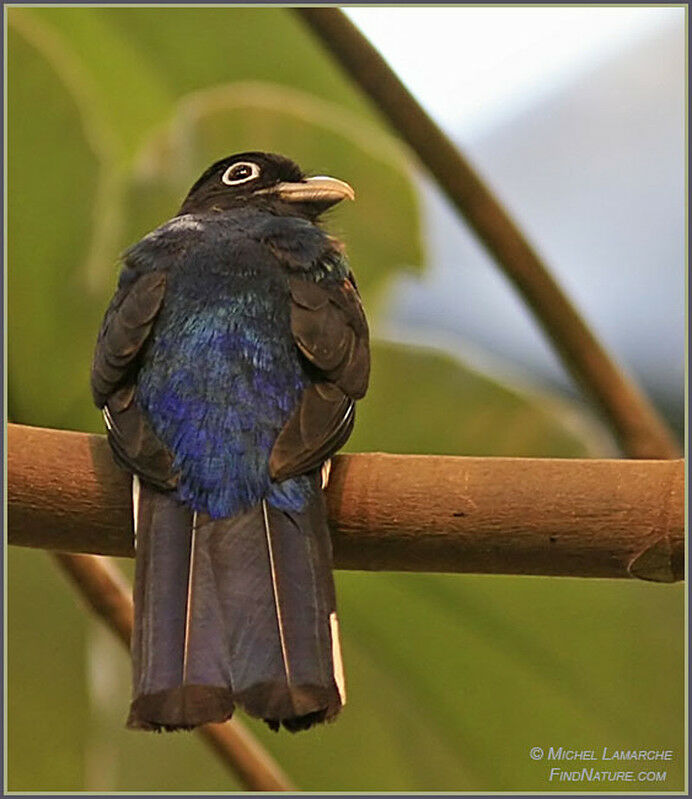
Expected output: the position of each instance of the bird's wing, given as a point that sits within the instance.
(330, 330)
(125, 329)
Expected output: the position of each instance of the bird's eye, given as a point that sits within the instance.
(240, 173)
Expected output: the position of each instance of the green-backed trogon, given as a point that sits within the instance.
(227, 368)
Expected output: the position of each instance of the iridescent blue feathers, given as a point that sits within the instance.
(221, 373)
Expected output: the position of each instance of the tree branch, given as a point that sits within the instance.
(642, 433)
(108, 595)
(559, 517)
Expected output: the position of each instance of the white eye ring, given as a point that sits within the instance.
(229, 181)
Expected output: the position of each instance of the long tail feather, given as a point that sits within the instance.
(277, 593)
(179, 681)
(238, 610)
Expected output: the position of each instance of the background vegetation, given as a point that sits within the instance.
(113, 112)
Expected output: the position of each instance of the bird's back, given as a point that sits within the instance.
(222, 374)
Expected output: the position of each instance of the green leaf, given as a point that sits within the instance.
(47, 695)
(141, 60)
(54, 177)
(423, 401)
(495, 665)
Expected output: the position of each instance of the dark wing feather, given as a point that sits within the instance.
(330, 329)
(125, 329)
(321, 424)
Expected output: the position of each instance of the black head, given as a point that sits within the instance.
(264, 180)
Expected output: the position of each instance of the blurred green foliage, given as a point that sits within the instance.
(113, 112)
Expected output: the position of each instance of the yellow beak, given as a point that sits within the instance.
(318, 189)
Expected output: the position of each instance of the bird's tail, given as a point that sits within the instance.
(233, 611)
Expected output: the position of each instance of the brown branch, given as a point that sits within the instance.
(105, 591)
(561, 517)
(642, 433)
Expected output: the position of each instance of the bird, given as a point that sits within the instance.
(227, 368)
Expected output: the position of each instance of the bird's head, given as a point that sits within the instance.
(264, 180)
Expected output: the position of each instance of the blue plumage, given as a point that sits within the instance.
(221, 374)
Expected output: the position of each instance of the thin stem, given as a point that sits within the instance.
(640, 430)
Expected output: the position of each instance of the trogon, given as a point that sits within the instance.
(227, 369)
